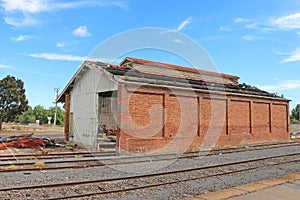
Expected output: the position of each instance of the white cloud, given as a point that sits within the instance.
(60, 44)
(225, 28)
(293, 57)
(251, 37)
(178, 41)
(120, 4)
(284, 85)
(20, 38)
(252, 25)
(289, 22)
(104, 60)
(67, 57)
(5, 67)
(53, 56)
(37, 6)
(183, 24)
(240, 20)
(180, 27)
(25, 6)
(286, 22)
(20, 13)
(81, 31)
(87, 3)
(20, 22)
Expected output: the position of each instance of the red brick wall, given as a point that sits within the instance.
(278, 119)
(172, 118)
(160, 120)
(141, 119)
(239, 117)
(261, 117)
(213, 115)
(146, 112)
(182, 116)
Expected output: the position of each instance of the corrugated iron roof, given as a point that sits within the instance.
(130, 74)
(177, 67)
(139, 77)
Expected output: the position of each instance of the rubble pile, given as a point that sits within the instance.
(25, 141)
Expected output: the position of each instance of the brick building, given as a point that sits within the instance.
(158, 107)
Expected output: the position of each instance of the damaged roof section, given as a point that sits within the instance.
(135, 76)
(138, 71)
(163, 69)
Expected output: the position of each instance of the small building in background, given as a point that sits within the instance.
(146, 106)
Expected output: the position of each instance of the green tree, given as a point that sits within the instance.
(295, 115)
(13, 100)
(27, 117)
(42, 114)
(59, 116)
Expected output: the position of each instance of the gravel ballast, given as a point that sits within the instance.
(172, 191)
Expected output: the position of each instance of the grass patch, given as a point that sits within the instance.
(11, 167)
(39, 164)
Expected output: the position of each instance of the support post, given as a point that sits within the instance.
(67, 117)
(55, 113)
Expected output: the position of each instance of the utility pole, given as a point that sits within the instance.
(298, 107)
(55, 113)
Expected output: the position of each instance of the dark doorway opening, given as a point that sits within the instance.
(107, 120)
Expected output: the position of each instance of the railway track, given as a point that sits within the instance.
(157, 179)
(56, 155)
(17, 157)
(98, 161)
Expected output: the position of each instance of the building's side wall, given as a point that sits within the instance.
(84, 106)
(161, 120)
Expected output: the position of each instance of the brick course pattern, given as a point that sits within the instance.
(156, 119)
(169, 108)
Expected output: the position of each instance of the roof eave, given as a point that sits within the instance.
(82, 69)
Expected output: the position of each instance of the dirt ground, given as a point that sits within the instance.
(10, 128)
(43, 131)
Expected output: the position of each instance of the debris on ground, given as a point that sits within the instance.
(26, 141)
(295, 135)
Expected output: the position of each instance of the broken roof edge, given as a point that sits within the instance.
(226, 93)
(182, 68)
(75, 76)
(105, 69)
(148, 79)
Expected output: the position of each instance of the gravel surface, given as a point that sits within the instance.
(173, 191)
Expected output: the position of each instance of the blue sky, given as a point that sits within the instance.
(43, 42)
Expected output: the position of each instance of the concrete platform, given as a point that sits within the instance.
(286, 187)
(290, 191)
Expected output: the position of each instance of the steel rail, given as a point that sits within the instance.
(151, 174)
(167, 183)
(111, 153)
(93, 152)
(101, 162)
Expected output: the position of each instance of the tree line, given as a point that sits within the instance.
(42, 114)
(14, 105)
